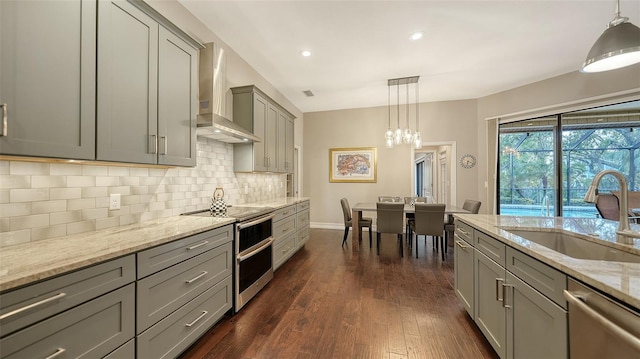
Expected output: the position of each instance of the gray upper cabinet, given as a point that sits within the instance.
(147, 88)
(256, 112)
(47, 78)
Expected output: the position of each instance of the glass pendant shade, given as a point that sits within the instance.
(417, 141)
(389, 142)
(397, 137)
(407, 135)
(618, 46)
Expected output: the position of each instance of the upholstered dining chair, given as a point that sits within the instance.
(390, 220)
(364, 222)
(608, 206)
(429, 221)
(389, 199)
(470, 205)
(409, 216)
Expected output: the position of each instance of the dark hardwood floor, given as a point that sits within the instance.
(326, 302)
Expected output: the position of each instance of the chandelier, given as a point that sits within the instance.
(399, 136)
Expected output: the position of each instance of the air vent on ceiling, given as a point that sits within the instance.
(308, 93)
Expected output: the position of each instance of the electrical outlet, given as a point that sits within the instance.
(270, 188)
(114, 201)
(246, 188)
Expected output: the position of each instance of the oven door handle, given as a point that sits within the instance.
(266, 243)
(610, 326)
(256, 221)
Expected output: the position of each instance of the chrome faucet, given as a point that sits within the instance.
(624, 234)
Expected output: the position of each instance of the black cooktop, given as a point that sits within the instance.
(240, 213)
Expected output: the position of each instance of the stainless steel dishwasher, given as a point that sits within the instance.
(599, 327)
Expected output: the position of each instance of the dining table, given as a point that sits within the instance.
(356, 216)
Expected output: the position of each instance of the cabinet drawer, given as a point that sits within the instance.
(284, 227)
(302, 219)
(166, 255)
(538, 275)
(61, 293)
(166, 291)
(178, 331)
(91, 330)
(284, 212)
(490, 246)
(464, 231)
(302, 237)
(283, 248)
(302, 206)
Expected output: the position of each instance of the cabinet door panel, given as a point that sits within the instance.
(177, 100)
(536, 326)
(288, 147)
(47, 77)
(271, 128)
(464, 273)
(490, 313)
(127, 84)
(260, 108)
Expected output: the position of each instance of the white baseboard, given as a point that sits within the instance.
(340, 226)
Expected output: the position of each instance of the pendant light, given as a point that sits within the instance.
(399, 136)
(618, 46)
(417, 139)
(388, 136)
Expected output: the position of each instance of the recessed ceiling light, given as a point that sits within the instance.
(416, 35)
(306, 53)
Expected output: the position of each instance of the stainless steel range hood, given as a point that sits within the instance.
(212, 79)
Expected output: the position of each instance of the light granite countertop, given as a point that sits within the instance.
(30, 262)
(621, 280)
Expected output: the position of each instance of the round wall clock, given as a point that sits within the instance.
(467, 161)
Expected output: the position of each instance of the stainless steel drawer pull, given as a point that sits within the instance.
(5, 131)
(58, 352)
(32, 305)
(504, 295)
(153, 145)
(203, 243)
(461, 245)
(164, 145)
(462, 231)
(499, 290)
(196, 277)
(189, 325)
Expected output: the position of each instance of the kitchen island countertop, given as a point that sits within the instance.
(26, 263)
(620, 280)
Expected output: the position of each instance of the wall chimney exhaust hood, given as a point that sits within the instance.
(211, 122)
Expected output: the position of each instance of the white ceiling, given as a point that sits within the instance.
(470, 49)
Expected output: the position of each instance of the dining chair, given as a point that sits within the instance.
(429, 221)
(364, 222)
(470, 205)
(390, 220)
(389, 199)
(410, 216)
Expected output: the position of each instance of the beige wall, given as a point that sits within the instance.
(441, 122)
(568, 92)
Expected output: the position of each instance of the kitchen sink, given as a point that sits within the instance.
(574, 246)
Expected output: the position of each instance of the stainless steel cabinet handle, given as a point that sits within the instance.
(462, 231)
(461, 245)
(5, 131)
(504, 295)
(608, 325)
(58, 352)
(153, 145)
(164, 145)
(196, 277)
(32, 305)
(499, 292)
(203, 243)
(189, 325)
(267, 243)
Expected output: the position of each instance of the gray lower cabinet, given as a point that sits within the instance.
(90, 330)
(290, 231)
(515, 300)
(48, 78)
(147, 99)
(185, 287)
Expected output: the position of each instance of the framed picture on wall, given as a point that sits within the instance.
(353, 165)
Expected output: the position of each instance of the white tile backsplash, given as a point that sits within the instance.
(47, 200)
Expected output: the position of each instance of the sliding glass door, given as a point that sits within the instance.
(541, 158)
